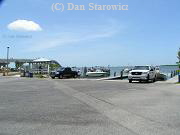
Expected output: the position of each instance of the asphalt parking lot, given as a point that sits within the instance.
(88, 107)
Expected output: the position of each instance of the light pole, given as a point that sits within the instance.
(7, 58)
(179, 65)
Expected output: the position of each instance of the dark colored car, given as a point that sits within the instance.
(64, 72)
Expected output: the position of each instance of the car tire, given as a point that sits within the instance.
(60, 76)
(130, 81)
(75, 76)
(53, 77)
(147, 79)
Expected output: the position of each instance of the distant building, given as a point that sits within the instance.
(33, 63)
(3, 63)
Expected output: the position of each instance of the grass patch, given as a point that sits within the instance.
(177, 83)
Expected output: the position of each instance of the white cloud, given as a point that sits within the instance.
(24, 25)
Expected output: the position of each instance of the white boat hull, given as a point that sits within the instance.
(96, 74)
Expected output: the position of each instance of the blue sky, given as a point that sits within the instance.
(148, 33)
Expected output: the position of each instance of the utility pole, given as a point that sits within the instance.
(7, 59)
(179, 57)
(179, 65)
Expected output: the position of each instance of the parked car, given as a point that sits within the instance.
(64, 72)
(142, 73)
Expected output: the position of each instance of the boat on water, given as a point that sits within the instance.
(160, 76)
(126, 70)
(98, 72)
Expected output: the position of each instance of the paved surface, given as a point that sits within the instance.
(173, 80)
(88, 107)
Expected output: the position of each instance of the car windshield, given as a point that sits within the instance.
(60, 69)
(141, 68)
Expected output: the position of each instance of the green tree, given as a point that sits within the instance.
(54, 66)
(18, 64)
(178, 56)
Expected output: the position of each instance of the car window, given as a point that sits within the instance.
(152, 69)
(141, 68)
(67, 69)
(60, 69)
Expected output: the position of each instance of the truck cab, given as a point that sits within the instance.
(64, 72)
(142, 73)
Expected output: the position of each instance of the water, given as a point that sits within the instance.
(163, 69)
(118, 70)
(167, 70)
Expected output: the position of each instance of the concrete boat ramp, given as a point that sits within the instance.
(115, 78)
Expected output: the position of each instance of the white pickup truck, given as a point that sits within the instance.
(142, 73)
